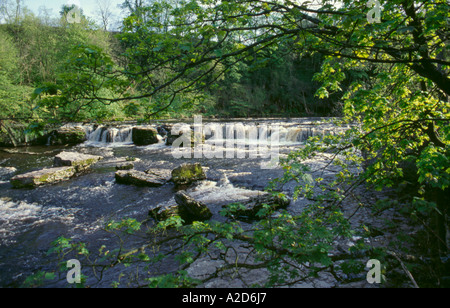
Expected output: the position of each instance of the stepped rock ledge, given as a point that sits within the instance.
(65, 166)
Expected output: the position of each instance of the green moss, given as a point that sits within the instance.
(42, 177)
(188, 173)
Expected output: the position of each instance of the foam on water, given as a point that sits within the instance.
(218, 193)
(19, 217)
(103, 136)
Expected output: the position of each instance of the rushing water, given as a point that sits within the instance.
(30, 219)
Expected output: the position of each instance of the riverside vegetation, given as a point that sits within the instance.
(171, 59)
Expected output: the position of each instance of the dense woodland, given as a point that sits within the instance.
(37, 52)
(257, 58)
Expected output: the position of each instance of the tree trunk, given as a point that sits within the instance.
(10, 134)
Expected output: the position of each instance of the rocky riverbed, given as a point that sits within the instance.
(79, 206)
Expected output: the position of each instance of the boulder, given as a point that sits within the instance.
(144, 136)
(42, 177)
(77, 160)
(187, 208)
(248, 210)
(187, 174)
(192, 209)
(66, 165)
(138, 178)
(170, 136)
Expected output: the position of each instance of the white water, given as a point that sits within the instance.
(249, 133)
(109, 136)
(20, 216)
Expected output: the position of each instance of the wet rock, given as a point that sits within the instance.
(65, 166)
(77, 160)
(164, 174)
(171, 136)
(163, 130)
(193, 209)
(125, 166)
(144, 136)
(187, 208)
(187, 174)
(248, 210)
(138, 178)
(42, 177)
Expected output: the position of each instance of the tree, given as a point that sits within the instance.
(134, 7)
(214, 34)
(14, 103)
(33, 53)
(11, 10)
(71, 14)
(104, 10)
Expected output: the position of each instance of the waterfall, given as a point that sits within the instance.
(261, 133)
(109, 136)
(229, 133)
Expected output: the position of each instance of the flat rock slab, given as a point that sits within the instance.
(164, 174)
(77, 160)
(43, 177)
(138, 178)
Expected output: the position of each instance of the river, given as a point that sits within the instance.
(30, 219)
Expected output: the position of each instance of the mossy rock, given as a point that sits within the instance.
(43, 177)
(144, 136)
(164, 213)
(187, 174)
(79, 161)
(192, 210)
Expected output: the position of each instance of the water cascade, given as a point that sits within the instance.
(103, 135)
(289, 133)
